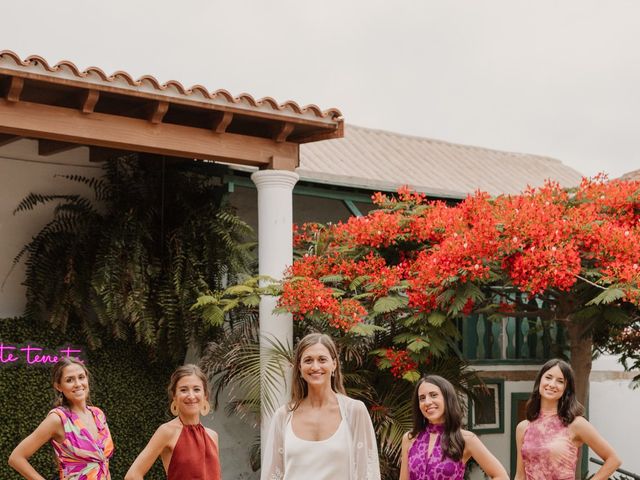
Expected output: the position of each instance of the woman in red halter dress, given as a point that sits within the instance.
(188, 450)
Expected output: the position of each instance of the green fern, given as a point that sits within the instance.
(132, 260)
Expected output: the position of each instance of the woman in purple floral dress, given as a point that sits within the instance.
(437, 448)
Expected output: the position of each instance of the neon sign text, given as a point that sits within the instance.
(29, 354)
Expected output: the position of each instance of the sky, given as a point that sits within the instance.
(558, 78)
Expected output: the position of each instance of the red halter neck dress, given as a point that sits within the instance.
(195, 456)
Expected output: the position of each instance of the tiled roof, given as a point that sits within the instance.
(634, 175)
(34, 66)
(379, 160)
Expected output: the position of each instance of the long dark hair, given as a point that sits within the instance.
(299, 389)
(56, 377)
(568, 406)
(451, 442)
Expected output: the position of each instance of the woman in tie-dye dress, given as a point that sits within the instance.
(77, 431)
(437, 448)
(549, 439)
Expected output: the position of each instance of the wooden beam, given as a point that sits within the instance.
(317, 136)
(283, 132)
(158, 111)
(15, 89)
(89, 100)
(7, 139)
(52, 147)
(222, 121)
(131, 134)
(283, 163)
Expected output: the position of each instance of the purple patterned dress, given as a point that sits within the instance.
(423, 466)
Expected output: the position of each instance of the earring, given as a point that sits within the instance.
(333, 374)
(205, 409)
(174, 409)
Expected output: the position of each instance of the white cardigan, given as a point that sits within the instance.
(363, 451)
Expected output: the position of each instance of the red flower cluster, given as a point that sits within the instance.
(401, 362)
(306, 296)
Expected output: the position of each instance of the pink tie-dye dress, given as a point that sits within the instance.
(548, 452)
(81, 456)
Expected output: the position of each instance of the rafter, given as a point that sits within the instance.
(131, 134)
(283, 132)
(15, 89)
(89, 100)
(222, 121)
(51, 147)
(158, 111)
(7, 139)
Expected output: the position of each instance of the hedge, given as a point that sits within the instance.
(130, 390)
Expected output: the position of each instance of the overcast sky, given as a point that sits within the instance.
(555, 78)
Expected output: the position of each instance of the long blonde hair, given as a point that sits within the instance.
(299, 389)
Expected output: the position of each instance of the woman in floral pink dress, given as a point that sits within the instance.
(77, 431)
(549, 440)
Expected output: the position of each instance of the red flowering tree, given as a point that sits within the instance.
(394, 285)
(412, 267)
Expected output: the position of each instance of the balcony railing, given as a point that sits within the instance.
(518, 340)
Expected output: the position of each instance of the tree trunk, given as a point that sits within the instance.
(581, 344)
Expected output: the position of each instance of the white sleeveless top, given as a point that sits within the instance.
(317, 460)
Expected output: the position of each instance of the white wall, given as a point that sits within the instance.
(23, 171)
(500, 443)
(614, 409)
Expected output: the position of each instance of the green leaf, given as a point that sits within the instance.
(213, 315)
(251, 301)
(332, 278)
(608, 296)
(356, 282)
(384, 363)
(365, 329)
(412, 376)
(437, 319)
(363, 295)
(586, 313)
(418, 344)
(205, 300)
(229, 304)
(238, 290)
(389, 304)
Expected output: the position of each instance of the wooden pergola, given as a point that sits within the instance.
(64, 108)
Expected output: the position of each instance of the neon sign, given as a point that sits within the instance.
(29, 354)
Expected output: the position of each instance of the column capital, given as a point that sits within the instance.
(275, 178)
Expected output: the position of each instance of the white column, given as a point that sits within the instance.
(275, 254)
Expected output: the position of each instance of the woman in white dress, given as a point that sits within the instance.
(321, 434)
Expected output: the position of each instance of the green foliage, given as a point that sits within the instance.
(134, 259)
(131, 392)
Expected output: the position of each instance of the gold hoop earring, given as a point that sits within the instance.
(174, 409)
(205, 408)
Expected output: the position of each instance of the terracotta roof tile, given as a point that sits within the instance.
(37, 65)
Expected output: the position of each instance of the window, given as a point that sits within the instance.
(486, 407)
